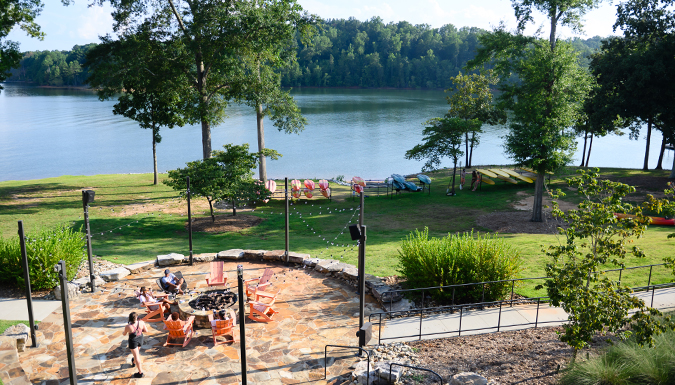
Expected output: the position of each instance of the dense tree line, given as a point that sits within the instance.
(53, 68)
(345, 53)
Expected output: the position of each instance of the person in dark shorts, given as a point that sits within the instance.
(474, 178)
(135, 330)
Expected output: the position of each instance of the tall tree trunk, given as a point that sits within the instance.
(234, 208)
(538, 197)
(590, 147)
(454, 169)
(262, 167)
(154, 154)
(466, 149)
(583, 153)
(672, 170)
(659, 164)
(554, 24)
(645, 166)
(473, 139)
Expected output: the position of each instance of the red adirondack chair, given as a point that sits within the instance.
(179, 329)
(217, 277)
(261, 283)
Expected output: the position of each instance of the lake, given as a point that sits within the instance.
(52, 132)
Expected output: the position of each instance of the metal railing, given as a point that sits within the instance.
(440, 379)
(391, 294)
(462, 308)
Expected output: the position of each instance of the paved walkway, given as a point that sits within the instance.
(17, 310)
(313, 311)
(486, 321)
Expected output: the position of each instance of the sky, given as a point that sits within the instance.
(79, 24)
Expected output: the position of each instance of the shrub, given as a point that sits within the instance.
(458, 259)
(44, 251)
(627, 363)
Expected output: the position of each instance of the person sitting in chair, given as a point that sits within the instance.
(173, 283)
(146, 296)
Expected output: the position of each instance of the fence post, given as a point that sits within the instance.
(26, 278)
(499, 319)
(536, 320)
(649, 281)
(459, 334)
(513, 283)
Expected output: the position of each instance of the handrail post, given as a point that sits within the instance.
(420, 336)
(513, 284)
(620, 271)
(499, 319)
(459, 332)
(649, 281)
(536, 320)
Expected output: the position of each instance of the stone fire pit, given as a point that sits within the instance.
(200, 305)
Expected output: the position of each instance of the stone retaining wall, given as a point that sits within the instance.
(340, 270)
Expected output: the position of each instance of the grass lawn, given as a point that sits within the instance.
(132, 220)
(4, 324)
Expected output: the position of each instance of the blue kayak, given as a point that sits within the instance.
(424, 179)
(412, 186)
(398, 185)
(398, 178)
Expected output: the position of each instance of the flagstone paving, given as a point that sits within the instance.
(314, 311)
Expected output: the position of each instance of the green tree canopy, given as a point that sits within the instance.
(147, 87)
(206, 40)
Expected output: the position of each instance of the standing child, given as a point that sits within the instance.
(479, 176)
(474, 177)
(135, 330)
(462, 178)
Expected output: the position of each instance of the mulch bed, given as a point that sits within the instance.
(224, 223)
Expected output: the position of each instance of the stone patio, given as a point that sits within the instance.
(314, 310)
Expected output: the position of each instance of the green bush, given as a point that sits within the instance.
(44, 251)
(457, 259)
(627, 363)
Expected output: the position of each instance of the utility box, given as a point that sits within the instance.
(365, 334)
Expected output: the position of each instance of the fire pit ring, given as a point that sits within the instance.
(200, 305)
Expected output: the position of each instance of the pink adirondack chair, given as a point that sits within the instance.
(255, 284)
(217, 277)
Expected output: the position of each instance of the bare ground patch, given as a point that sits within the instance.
(225, 223)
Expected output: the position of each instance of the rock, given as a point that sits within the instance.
(275, 255)
(20, 333)
(330, 266)
(383, 368)
(73, 291)
(360, 374)
(12, 372)
(350, 273)
(204, 257)
(84, 281)
(170, 259)
(253, 254)
(400, 306)
(115, 274)
(385, 294)
(232, 254)
(372, 280)
(137, 267)
(468, 378)
(297, 257)
(311, 262)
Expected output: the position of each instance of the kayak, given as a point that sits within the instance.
(398, 185)
(398, 178)
(412, 186)
(424, 179)
(652, 220)
(487, 173)
(516, 175)
(487, 180)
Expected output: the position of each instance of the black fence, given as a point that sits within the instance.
(423, 312)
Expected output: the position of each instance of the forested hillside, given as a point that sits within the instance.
(345, 53)
(53, 68)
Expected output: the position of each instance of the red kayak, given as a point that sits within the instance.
(653, 220)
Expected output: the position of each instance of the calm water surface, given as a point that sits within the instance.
(53, 132)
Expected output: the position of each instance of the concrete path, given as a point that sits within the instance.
(492, 319)
(17, 309)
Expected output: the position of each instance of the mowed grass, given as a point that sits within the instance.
(133, 220)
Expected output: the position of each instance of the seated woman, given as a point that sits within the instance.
(147, 297)
(222, 316)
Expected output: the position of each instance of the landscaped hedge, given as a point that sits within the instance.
(457, 259)
(627, 363)
(44, 251)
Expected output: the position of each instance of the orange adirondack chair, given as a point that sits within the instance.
(217, 277)
(261, 309)
(151, 315)
(262, 283)
(223, 328)
(179, 329)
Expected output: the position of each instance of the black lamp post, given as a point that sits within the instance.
(63, 281)
(189, 220)
(360, 235)
(242, 330)
(87, 198)
(26, 278)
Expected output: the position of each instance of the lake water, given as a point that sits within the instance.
(53, 132)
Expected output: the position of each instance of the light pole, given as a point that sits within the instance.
(242, 330)
(26, 278)
(63, 281)
(87, 198)
(189, 220)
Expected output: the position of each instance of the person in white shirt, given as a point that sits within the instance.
(146, 296)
